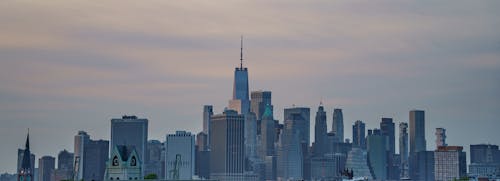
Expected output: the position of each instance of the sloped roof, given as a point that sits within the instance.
(125, 151)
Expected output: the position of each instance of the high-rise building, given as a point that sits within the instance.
(417, 131)
(259, 101)
(64, 166)
(323, 168)
(227, 149)
(46, 166)
(25, 163)
(154, 164)
(424, 166)
(387, 128)
(179, 156)
(240, 101)
(124, 164)
(90, 157)
(338, 124)
(299, 117)
(202, 156)
(484, 161)
(449, 163)
(208, 112)
(403, 149)
(250, 139)
(320, 133)
(131, 131)
(290, 152)
(377, 154)
(358, 135)
(440, 137)
(268, 133)
(417, 137)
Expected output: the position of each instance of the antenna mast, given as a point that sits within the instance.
(241, 53)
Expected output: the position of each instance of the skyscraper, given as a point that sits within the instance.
(202, 160)
(207, 113)
(290, 154)
(320, 133)
(300, 118)
(46, 166)
(90, 157)
(131, 131)
(484, 161)
(338, 124)
(449, 163)
(377, 154)
(417, 131)
(259, 101)
(268, 133)
(26, 169)
(240, 101)
(403, 149)
(387, 128)
(440, 137)
(417, 141)
(64, 166)
(358, 135)
(179, 156)
(227, 145)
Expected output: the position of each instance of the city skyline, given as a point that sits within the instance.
(56, 85)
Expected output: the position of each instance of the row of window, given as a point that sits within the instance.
(118, 178)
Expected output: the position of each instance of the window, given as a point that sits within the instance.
(115, 161)
(117, 178)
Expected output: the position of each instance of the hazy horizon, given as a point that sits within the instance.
(73, 65)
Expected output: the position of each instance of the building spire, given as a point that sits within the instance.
(241, 52)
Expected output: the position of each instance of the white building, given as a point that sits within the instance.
(179, 155)
(124, 164)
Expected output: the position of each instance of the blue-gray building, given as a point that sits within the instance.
(358, 135)
(320, 133)
(338, 124)
(377, 154)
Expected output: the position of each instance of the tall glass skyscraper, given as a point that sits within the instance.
(179, 156)
(320, 137)
(358, 135)
(240, 101)
(338, 124)
(259, 101)
(417, 131)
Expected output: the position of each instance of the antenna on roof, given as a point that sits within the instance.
(241, 52)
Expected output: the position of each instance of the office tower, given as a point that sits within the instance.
(64, 166)
(227, 145)
(299, 117)
(154, 164)
(301, 121)
(250, 138)
(290, 153)
(180, 152)
(417, 131)
(208, 112)
(90, 157)
(131, 131)
(357, 162)
(65, 160)
(46, 166)
(268, 133)
(417, 137)
(320, 133)
(424, 166)
(259, 101)
(358, 135)
(271, 164)
(403, 149)
(388, 129)
(484, 161)
(450, 163)
(440, 137)
(377, 154)
(240, 101)
(338, 124)
(124, 164)
(25, 163)
(202, 156)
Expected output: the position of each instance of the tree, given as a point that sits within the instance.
(151, 176)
